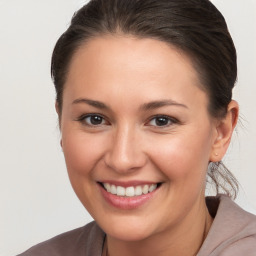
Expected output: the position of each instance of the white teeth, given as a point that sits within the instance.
(107, 186)
(138, 191)
(129, 191)
(145, 189)
(120, 191)
(113, 189)
(152, 187)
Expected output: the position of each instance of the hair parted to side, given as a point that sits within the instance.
(195, 27)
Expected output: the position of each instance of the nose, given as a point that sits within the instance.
(125, 154)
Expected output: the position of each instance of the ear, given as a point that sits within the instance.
(57, 108)
(223, 132)
(59, 115)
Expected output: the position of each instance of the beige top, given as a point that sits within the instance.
(233, 233)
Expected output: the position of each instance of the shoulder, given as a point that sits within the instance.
(87, 240)
(233, 231)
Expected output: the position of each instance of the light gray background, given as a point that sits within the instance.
(36, 199)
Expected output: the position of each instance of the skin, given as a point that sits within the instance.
(128, 145)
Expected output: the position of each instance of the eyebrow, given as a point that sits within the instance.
(145, 107)
(93, 103)
(161, 103)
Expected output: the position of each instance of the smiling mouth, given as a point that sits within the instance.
(131, 191)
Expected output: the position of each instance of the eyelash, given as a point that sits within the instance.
(83, 118)
(170, 120)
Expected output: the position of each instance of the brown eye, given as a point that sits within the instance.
(94, 120)
(161, 121)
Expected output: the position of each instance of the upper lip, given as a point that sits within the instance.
(131, 183)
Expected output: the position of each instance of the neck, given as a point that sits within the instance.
(183, 239)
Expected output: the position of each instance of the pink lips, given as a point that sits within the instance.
(126, 203)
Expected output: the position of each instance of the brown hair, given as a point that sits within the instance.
(195, 27)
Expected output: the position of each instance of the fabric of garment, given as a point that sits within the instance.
(233, 233)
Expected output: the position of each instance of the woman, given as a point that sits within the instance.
(144, 98)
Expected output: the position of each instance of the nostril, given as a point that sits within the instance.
(125, 163)
(124, 153)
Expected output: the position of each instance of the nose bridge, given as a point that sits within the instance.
(125, 153)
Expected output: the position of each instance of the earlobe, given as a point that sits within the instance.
(224, 131)
(58, 112)
(57, 107)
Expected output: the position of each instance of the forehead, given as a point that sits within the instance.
(127, 52)
(119, 65)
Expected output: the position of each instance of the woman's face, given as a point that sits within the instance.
(135, 120)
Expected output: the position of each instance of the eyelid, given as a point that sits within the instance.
(171, 119)
(82, 118)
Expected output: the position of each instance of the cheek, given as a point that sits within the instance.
(81, 151)
(82, 154)
(78, 157)
(184, 159)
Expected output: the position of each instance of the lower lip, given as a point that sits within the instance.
(126, 203)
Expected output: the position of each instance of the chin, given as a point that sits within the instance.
(128, 230)
(129, 235)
